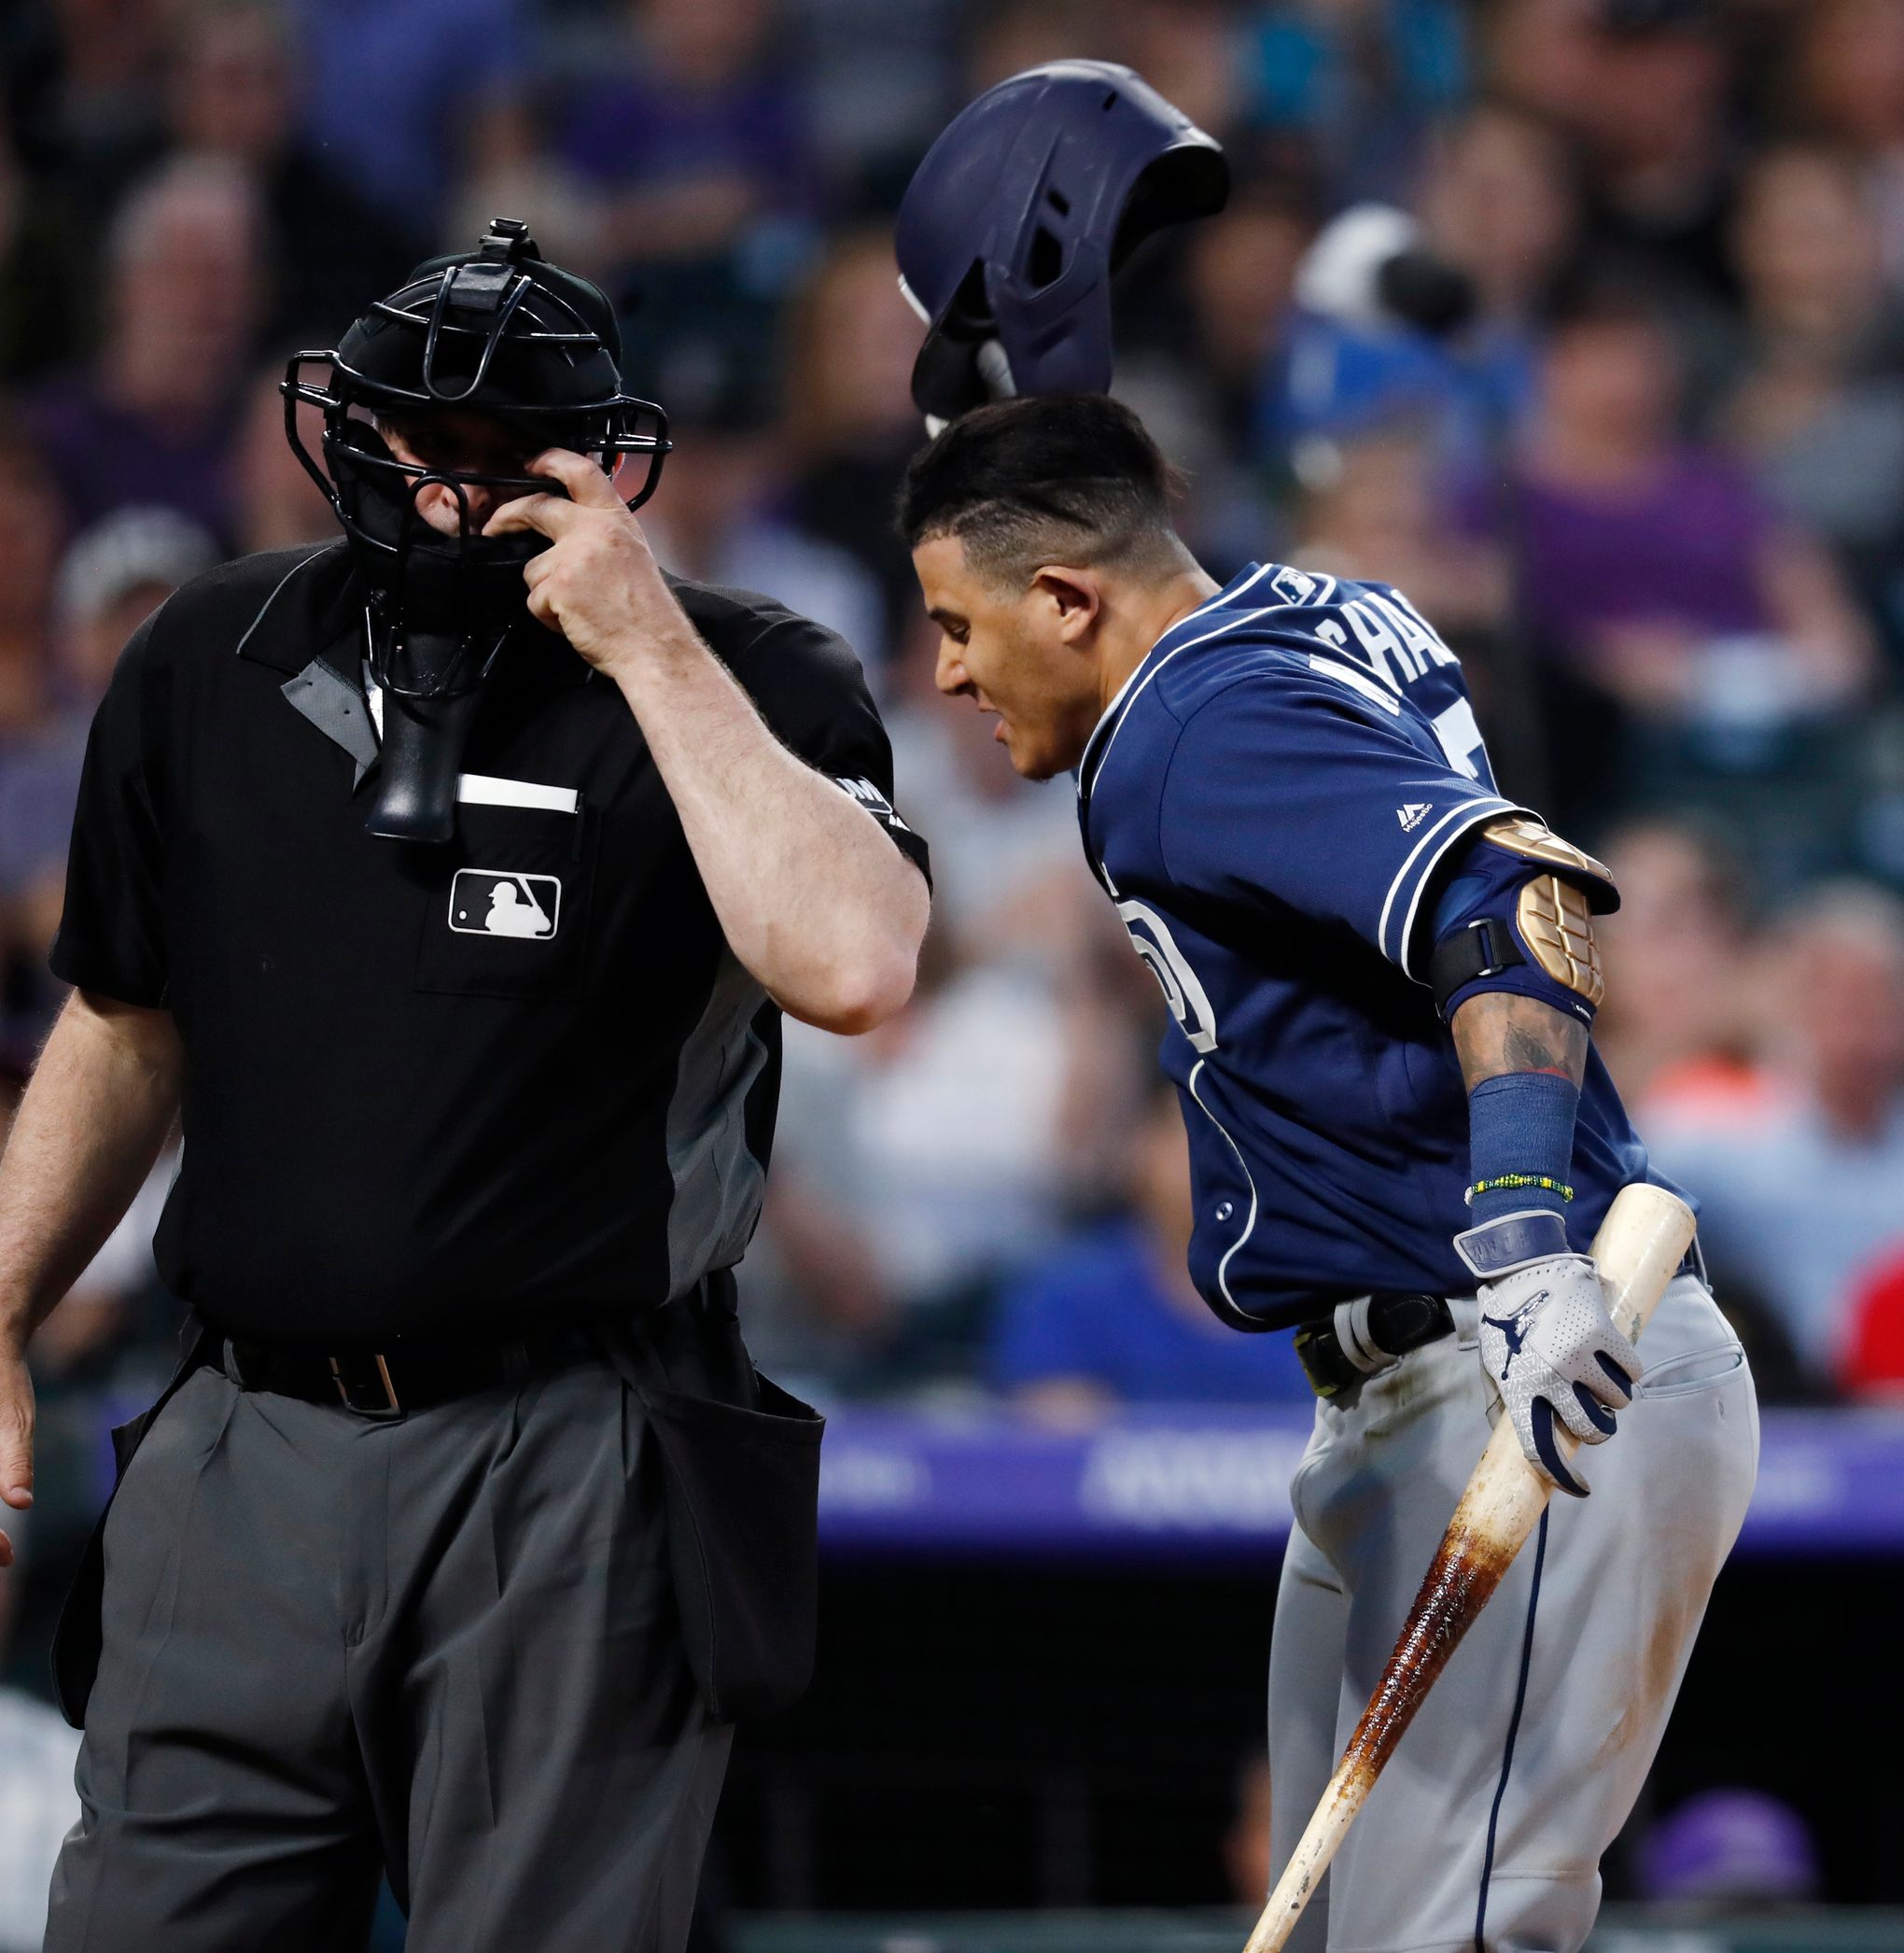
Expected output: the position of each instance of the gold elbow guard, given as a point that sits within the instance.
(1522, 834)
(1557, 925)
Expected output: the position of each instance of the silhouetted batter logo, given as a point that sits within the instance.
(493, 902)
(1514, 1328)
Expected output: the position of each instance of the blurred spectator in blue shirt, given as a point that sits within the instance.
(1499, 200)
(1111, 1317)
(152, 419)
(1360, 79)
(400, 96)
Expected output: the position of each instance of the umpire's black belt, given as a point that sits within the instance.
(388, 1383)
(1361, 1337)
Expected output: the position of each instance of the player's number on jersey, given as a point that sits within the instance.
(1151, 938)
(1461, 737)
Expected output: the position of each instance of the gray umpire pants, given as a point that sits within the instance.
(1485, 1833)
(446, 1645)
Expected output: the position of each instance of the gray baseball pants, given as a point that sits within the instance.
(445, 1644)
(1486, 1831)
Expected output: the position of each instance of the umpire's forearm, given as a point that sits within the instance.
(102, 1100)
(812, 896)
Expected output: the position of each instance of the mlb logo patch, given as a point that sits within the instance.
(498, 902)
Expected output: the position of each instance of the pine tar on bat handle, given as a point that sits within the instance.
(1640, 1244)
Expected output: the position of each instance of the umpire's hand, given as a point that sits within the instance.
(598, 582)
(16, 1440)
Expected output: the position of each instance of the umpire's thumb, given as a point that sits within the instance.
(16, 1443)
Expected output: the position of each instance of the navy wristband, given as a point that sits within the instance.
(1520, 1127)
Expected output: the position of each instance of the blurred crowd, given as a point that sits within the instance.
(1654, 493)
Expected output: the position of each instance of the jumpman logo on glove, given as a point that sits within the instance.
(1513, 1327)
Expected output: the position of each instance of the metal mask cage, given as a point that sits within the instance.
(353, 448)
(390, 652)
(624, 427)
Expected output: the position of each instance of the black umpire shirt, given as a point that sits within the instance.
(432, 1087)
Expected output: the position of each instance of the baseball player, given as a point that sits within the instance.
(1382, 978)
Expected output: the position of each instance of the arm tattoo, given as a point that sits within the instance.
(1497, 1033)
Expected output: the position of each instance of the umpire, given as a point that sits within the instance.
(450, 879)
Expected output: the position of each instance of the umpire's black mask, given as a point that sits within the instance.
(531, 349)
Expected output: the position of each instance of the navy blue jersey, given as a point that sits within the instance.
(1268, 801)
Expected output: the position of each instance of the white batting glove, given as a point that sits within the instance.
(1547, 1344)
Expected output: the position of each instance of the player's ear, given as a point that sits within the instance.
(1073, 597)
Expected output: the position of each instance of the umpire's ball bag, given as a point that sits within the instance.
(741, 1464)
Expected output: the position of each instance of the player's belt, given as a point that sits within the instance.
(1361, 1337)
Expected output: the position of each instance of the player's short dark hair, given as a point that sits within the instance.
(1063, 478)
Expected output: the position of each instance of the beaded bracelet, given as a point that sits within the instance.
(1503, 1182)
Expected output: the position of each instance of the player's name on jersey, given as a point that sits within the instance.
(1394, 643)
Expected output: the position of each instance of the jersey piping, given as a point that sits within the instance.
(1442, 837)
(1240, 1317)
(1133, 687)
(1127, 690)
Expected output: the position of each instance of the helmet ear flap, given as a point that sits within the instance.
(946, 370)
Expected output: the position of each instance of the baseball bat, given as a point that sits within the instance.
(1642, 1241)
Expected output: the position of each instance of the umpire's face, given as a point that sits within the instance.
(1026, 655)
(455, 440)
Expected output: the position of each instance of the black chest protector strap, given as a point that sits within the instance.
(1484, 948)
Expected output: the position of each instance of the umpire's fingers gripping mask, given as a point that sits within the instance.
(1023, 210)
(495, 332)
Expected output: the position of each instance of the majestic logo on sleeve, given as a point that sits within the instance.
(497, 902)
(1411, 815)
(1189, 1002)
